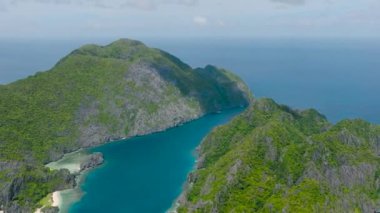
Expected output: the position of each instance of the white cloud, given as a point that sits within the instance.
(221, 23)
(200, 20)
(140, 4)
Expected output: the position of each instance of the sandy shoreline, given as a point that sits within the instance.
(70, 161)
(55, 201)
(56, 198)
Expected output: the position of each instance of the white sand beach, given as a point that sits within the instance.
(71, 161)
(57, 199)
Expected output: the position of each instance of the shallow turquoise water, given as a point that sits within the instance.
(146, 174)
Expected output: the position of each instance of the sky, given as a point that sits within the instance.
(189, 18)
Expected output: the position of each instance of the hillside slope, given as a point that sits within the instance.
(275, 159)
(94, 95)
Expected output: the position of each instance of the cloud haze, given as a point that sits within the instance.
(200, 20)
(140, 4)
(292, 2)
(188, 18)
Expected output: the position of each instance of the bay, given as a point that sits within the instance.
(146, 173)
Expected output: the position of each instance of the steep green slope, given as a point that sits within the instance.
(275, 159)
(94, 95)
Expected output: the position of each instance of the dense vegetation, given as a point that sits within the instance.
(93, 95)
(275, 159)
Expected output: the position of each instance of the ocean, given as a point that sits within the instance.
(340, 78)
(337, 77)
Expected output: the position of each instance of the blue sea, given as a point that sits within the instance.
(340, 78)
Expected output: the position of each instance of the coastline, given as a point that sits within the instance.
(187, 184)
(73, 160)
(78, 163)
(70, 161)
(198, 161)
(51, 200)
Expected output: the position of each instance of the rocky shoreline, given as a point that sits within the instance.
(336, 171)
(91, 161)
(84, 164)
(181, 199)
(95, 159)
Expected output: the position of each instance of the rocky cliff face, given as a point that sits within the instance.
(24, 186)
(275, 159)
(98, 94)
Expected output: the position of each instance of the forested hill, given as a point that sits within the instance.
(272, 158)
(94, 95)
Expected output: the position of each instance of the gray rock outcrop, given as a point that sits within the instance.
(93, 161)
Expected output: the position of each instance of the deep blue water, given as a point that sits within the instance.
(146, 174)
(340, 78)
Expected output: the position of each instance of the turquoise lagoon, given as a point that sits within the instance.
(146, 173)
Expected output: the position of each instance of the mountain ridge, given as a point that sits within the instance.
(94, 95)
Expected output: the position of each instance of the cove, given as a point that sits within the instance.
(146, 173)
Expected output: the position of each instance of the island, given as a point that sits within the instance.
(272, 158)
(94, 95)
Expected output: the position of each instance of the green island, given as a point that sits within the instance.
(272, 158)
(94, 95)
